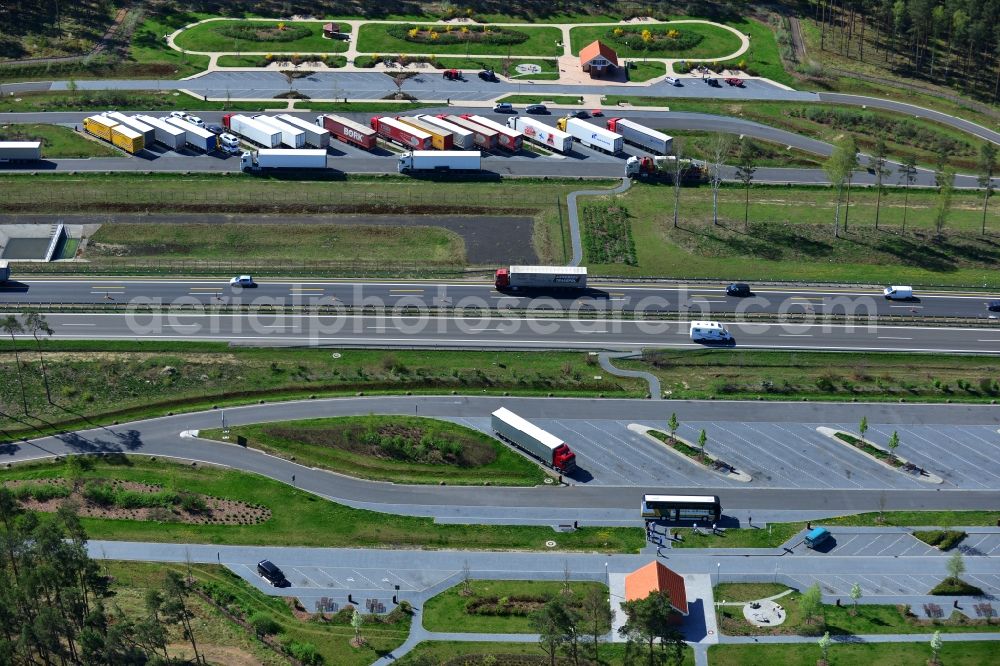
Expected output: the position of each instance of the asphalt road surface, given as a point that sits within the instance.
(501, 331)
(603, 295)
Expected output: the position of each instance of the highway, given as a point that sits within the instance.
(499, 331)
(607, 295)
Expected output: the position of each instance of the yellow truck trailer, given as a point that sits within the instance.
(441, 139)
(128, 139)
(99, 126)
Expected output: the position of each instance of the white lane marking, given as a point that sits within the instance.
(795, 335)
(891, 337)
(78, 324)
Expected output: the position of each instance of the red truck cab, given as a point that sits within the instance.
(502, 279)
(563, 459)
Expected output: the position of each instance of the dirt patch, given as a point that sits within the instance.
(130, 500)
(215, 654)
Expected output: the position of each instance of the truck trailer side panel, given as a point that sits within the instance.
(99, 126)
(293, 137)
(591, 135)
(452, 160)
(127, 139)
(460, 137)
(642, 136)
(148, 134)
(440, 139)
(483, 137)
(20, 151)
(403, 134)
(165, 133)
(530, 438)
(542, 134)
(252, 130)
(348, 131)
(289, 158)
(315, 135)
(197, 137)
(506, 138)
(542, 277)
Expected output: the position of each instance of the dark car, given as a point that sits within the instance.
(713, 82)
(578, 114)
(488, 75)
(537, 109)
(738, 289)
(271, 573)
(215, 129)
(993, 306)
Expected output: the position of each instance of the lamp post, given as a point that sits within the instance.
(718, 573)
(607, 577)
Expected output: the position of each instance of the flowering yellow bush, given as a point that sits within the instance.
(281, 26)
(269, 56)
(673, 34)
(647, 36)
(447, 28)
(464, 30)
(413, 33)
(618, 32)
(434, 34)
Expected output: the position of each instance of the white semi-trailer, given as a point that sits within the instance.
(252, 130)
(591, 135)
(542, 134)
(531, 439)
(291, 136)
(170, 136)
(283, 158)
(541, 277)
(199, 137)
(440, 160)
(461, 137)
(20, 151)
(4, 270)
(642, 136)
(315, 135)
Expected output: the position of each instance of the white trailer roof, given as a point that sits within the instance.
(564, 270)
(125, 130)
(278, 124)
(420, 124)
(528, 428)
(493, 125)
(648, 131)
(303, 125)
(283, 152)
(159, 123)
(20, 144)
(679, 498)
(132, 122)
(445, 124)
(445, 153)
(190, 127)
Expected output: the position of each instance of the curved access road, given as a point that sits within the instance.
(544, 504)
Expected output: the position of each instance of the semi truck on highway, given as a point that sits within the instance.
(531, 439)
(542, 134)
(540, 277)
(507, 138)
(460, 137)
(252, 130)
(20, 151)
(283, 158)
(348, 131)
(315, 136)
(591, 135)
(440, 160)
(170, 136)
(292, 137)
(196, 137)
(440, 139)
(401, 133)
(639, 135)
(484, 137)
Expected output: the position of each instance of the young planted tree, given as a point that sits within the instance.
(811, 605)
(881, 169)
(175, 608)
(850, 157)
(955, 566)
(36, 323)
(357, 621)
(702, 440)
(893, 443)
(908, 169)
(863, 426)
(746, 166)
(824, 646)
(987, 165)
(678, 175)
(719, 150)
(596, 616)
(855, 595)
(12, 327)
(946, 187)
(936, 645)
(673, 424)
(836, 167)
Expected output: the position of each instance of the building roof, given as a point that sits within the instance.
(655, 577)
(596, 48)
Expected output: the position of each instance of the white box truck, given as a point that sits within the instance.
(440, 160)
(252, 130)
(293, 137)
(199, 137)
(642, 136)
(315, 136)
(170, 136)
(20, 151)
(461, 138)
(147, 132)
(541, 277)
(591, 135)
(542, 134)
(283, 158)
(531, 439)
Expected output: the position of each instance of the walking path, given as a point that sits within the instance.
(605, 358)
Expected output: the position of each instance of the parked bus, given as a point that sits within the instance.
(695, 508)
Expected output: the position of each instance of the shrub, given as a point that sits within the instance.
(655, 39)
(262, 32)
(304, 652)
(98, 493)
(437, 34)
(264, 624)
(943, 539)
(193, 503)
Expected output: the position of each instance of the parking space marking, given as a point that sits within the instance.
(808, 461)
(842, 546)
(757, 461)
(405, 585)
(891, 544)
(312, 583)
(333, 582)
(373, 583)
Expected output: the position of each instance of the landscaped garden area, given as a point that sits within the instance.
(660, 40)
(234, 36)
(452, 39)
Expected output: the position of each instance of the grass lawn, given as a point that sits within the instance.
(278, 242)
(779, 375)
(210, 37)
(122, 100)
(763, 57)
(57, 141)
(448, 611)
(791, 237)
(840, 620)
(539, 99)
(303, 519)
(375, 38)
(715, 42)
(963, 653)
(262, 61)
(644, 71)
(103, 381)
(340, 445)
(149, 46)
(223, 641)
(698, 145)
(458, 653)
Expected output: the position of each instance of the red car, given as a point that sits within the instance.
(733, 81)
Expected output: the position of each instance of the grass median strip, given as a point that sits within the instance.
(960, 653)
(399, 449)
(301, 518)
(460, 653)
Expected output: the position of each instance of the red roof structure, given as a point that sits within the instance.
(597, 57)
(655, 577)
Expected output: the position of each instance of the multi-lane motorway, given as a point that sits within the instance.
(692, 299)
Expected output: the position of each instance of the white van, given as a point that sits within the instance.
(895, 293)
(709, 331)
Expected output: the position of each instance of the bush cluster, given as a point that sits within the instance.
(654, 39)
(943, 539)
(440, 34)
(108, 495)
(261, 32)
(40, 492)
(901, 130)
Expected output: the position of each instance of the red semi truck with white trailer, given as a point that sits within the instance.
(484, 137)
(401, 133)
(642, 136)
(531, 439)
(541, 277)
(348, 131)
(507, 138)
